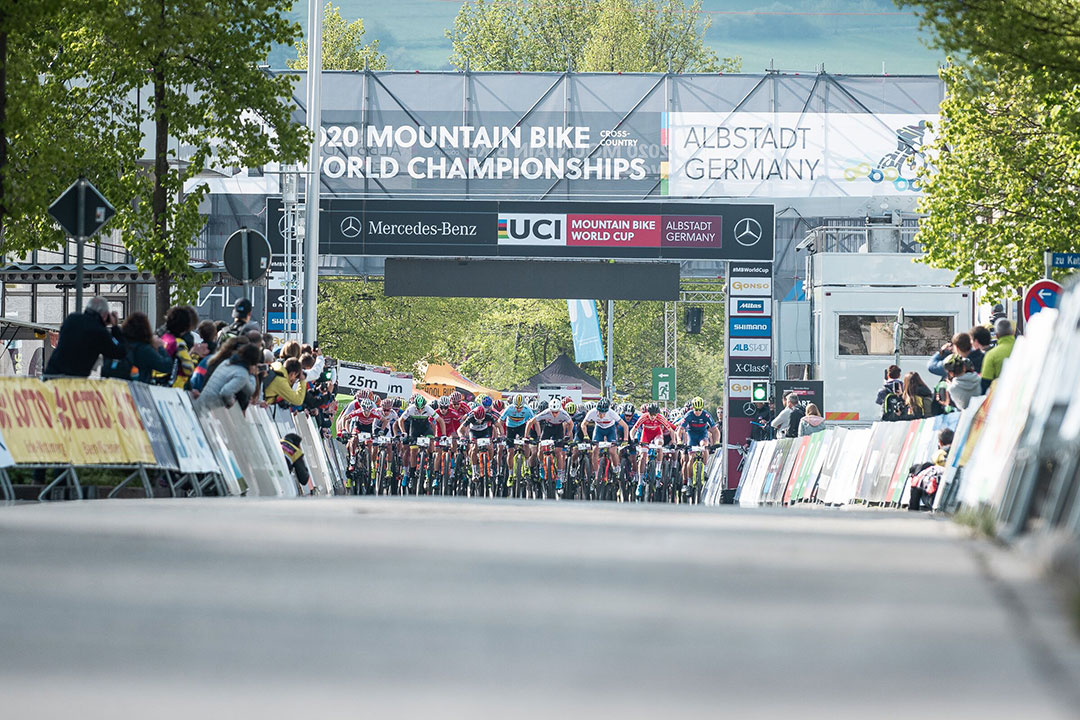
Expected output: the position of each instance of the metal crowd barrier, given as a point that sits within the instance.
(66, 425)
(1015, 452)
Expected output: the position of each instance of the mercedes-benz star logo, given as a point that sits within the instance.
(747, 232)
(350, 227)
(749, 409)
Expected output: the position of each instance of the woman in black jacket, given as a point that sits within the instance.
(145, 352)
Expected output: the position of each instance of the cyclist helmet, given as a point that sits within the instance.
(456, 397)
(498, 406)
(570, 408)
(603, 406)
(387, 404)
(367, 405)
(519, 401)
(419, 401)
(628, 408)
(698, 403)
(479, 412)
(444, 401)
(542, 406)
(483, 400)
(652, 409)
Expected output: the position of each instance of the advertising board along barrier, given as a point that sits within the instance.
(840, 466)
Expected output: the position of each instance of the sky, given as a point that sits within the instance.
(847, 36)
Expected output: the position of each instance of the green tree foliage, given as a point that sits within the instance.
(1004, 183)
(1003, 186)
(59, 117)
(502, 343)
(587, 35)
(343, 46)
(90, 78)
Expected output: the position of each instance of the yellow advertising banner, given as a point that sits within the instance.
(71, 420)
(28, 422)
(133, 435)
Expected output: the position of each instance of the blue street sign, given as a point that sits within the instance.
(1065, 260)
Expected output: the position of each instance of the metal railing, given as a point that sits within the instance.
(840, 238)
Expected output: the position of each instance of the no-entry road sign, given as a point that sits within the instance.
(1043, 294)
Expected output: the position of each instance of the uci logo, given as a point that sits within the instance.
(522, 229)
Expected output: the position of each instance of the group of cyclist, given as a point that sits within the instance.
(559, 420)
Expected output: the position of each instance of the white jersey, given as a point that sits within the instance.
(602, 420)
(552, 418)
(413, 414)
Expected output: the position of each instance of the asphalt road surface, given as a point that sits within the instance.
(360, 608)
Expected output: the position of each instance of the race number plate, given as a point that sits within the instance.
(363, 437)
(382, 440)
(519, 441)
(547, 443)
(603, 445)
(423, 441)
(483, 442)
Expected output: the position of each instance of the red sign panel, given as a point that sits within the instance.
(613, 231)
(1043, 294)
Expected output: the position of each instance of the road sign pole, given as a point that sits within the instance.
(246, 263)
(80, 239)
(314, 175)
(1048, 260)
(610, 346)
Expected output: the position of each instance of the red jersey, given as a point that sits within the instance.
(451, 417)
(360, 421)
(652, 427)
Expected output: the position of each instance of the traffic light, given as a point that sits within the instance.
(759, 391)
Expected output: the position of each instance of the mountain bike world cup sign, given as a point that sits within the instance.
(381, 380)
(744, 154)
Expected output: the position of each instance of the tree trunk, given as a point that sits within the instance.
(160, 200)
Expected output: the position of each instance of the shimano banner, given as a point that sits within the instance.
(585, 328)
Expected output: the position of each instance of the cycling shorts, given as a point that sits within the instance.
(483, 433)
(608, 434)
(696, 439)
(647, 436)
(420, 428)
(512, 433)
(551, 432)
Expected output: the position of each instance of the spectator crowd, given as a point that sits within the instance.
(220, 364)
(965, 368)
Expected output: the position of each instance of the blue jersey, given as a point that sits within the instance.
(697, 426)
(629, 424)
(513, 417)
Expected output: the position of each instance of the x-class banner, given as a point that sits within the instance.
(712, 231)
(790, 154)
(749, 367)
